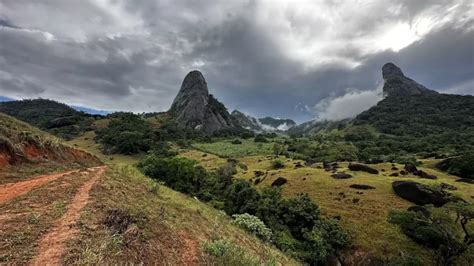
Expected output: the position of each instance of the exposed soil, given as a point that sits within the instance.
(190, 253)
(51, 246)
(13, 190)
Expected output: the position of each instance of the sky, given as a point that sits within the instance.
(299, 59)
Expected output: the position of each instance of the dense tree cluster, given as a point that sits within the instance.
(126, 133)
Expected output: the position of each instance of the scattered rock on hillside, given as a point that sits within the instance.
(361, 186)
(424, 174)
(410, 168)
(279, 182)
(259, 173)
(298, 165)
(394, 174)
(362, 167)
(420, 194)
(341, 176)
(394, 168)
(466, 180)
(447, 186)
(403, 172)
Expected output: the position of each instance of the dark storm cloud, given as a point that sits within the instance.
(296, 60)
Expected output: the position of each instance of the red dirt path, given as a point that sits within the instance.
(13, 190)
(51, 246)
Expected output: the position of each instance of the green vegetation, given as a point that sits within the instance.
(427, 123)
(254, 225)
(462, 166)
(278, 164)
(296, 222)
(56, 118)
(126, 133)
(446, 230)
(226, 253)
(225, 148)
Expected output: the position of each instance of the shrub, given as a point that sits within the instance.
(236, 141)
(254, 225)
(178, 173)
(260, 138)
(278, 164)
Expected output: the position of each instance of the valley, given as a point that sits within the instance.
(198, 185)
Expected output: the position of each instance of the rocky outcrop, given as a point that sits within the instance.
(397, 84)
(421, 194)
(279, 182)
(363, 168)
(195, 108)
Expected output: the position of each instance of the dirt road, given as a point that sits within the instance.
(13, 190)
(51, 246)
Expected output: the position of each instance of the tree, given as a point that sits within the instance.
(445, 229)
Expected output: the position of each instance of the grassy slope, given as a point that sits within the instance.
(171, 226)
(19, 135)
(366, 219)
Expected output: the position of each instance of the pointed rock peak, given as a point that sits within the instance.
(194, 80)
(391, 70)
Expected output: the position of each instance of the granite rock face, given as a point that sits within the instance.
(195, 108)
(398, 85)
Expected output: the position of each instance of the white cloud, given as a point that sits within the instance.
(348, 105)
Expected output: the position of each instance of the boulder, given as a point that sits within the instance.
(466, 180)
(298, 165)
(341, 176)
(447, 186)
(420, 194)
(424, 174)
(410, 168)
(361, 186)
(259, 173)
(279, 182)
(362, 167)
(394, 174)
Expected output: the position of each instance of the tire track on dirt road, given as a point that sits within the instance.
(51, 246)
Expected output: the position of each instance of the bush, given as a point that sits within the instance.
(254, 225)
(236, 141)
(278, 164)
(260, 138)
(178, 173)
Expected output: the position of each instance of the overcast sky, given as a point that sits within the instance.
(300, 59)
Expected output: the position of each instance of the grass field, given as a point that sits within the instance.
(86, 142)
(363, 212)
(225, 148)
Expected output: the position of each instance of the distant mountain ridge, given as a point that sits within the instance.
(266, 124)
(51, 116)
